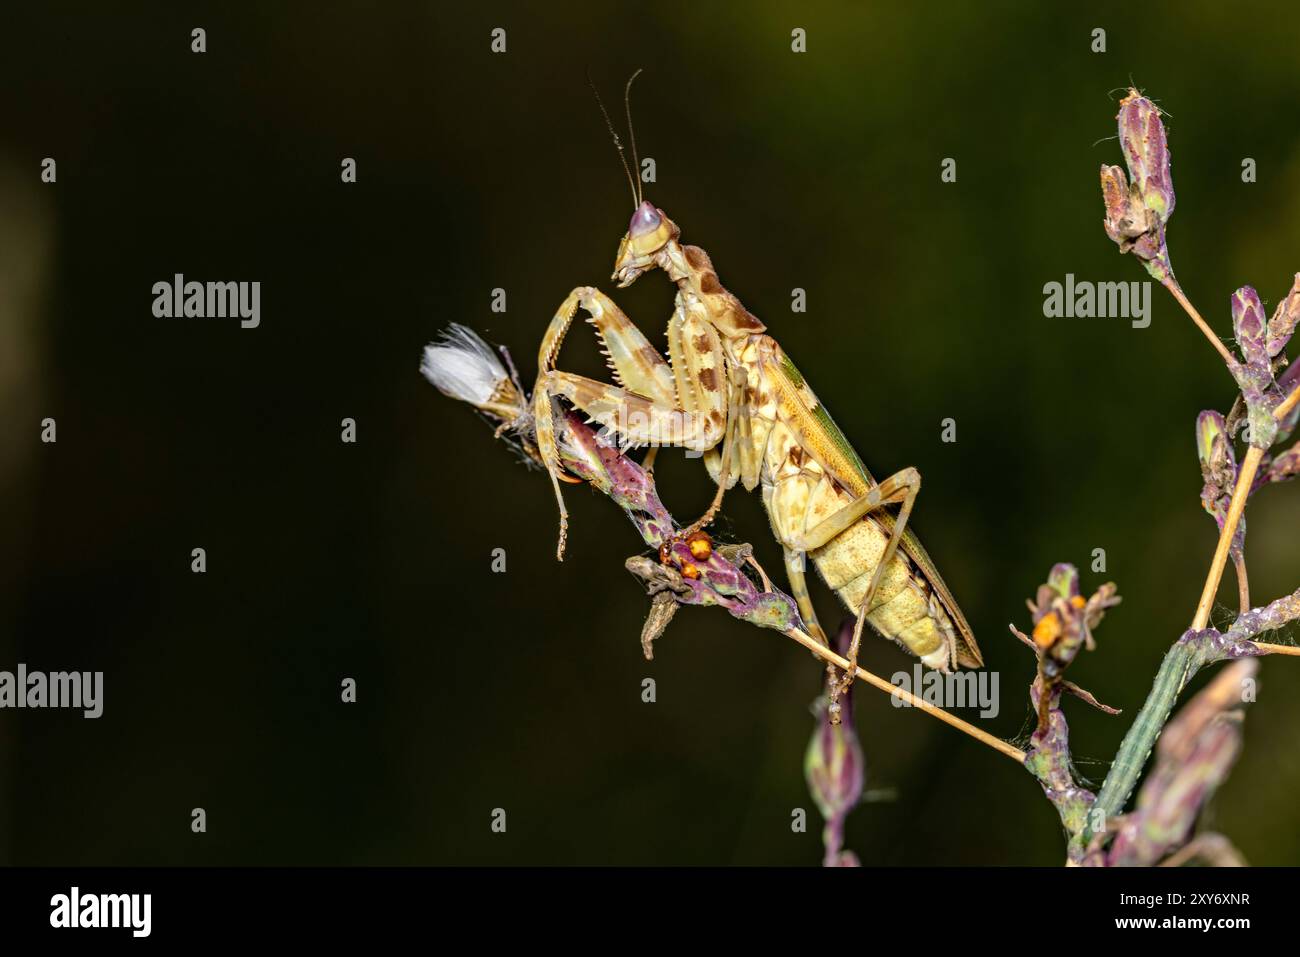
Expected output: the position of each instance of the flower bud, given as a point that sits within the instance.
(1212, 445)
(1137, 208)
(1283, 323)
(834, 765)
(1249, 325)
(1142, 135)
(1114, 193)
(1218, 464)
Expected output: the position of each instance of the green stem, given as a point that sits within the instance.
(1181, 662)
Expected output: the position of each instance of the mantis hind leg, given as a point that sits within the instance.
(902, 487)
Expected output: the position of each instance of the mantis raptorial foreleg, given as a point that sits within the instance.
(735, 422)
(656, 403)
(636, 364)
(635, 419)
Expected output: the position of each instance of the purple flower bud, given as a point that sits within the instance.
(1283, 323)
(1249, 325)
(1137, 208)
(1284, 467)
(1142, 134)
(835, 767)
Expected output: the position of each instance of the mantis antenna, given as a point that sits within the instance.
(631, 132)
(618, 144)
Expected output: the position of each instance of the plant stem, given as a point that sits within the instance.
(1173, 287)
(1286, 405)
(1243, 583)
(997, 744)
(1175, 671)
(1269, 648)
(1245, 478)
(1193, 650)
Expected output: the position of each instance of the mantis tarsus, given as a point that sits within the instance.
(728, 390)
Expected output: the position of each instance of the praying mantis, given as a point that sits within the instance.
(729, 391)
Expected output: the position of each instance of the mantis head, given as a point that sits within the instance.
(642, 246)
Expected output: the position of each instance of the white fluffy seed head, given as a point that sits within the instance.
(463, 366)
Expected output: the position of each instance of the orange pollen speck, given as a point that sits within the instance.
(690, 571)
(1047, 630)
(701, 545)
(1077, 601)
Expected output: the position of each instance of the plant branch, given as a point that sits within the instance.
(824, 653)
(1172, 285)
(1268, 648)
(1241, 491)
(1245, 479)
(1288, 404)
(1195, 649)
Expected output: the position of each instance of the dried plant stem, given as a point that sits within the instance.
(821, 651)
(1245, 478)
(1287, 404)
(1177, 291)
(1241, 492)
(1243, 583)
(1271, 649)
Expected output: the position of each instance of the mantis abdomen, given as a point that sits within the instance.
(904, 608)
(802, 494)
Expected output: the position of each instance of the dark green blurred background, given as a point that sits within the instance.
(522, 691)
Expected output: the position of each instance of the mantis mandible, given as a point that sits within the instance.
(727, 383)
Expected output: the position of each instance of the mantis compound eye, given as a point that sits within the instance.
(646, 219)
